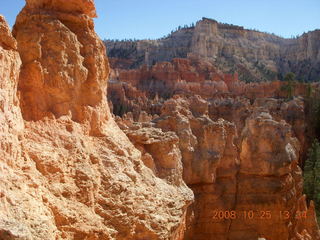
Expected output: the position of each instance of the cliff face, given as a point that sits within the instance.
(254, 55)
(254, 171)
(132, 54)
(243, 171)
(67, 170)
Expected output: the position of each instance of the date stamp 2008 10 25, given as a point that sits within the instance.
(257, 215)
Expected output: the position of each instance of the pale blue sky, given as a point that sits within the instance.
(142, 19)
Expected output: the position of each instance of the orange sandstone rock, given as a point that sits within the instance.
(61, 73)
(256, 171)
(11, 123)
(72, 6)
(67, 170)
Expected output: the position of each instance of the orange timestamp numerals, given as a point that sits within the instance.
(298, 215)
(260, 215)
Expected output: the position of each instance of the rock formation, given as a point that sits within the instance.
(146, 88)
(63, 72)
(70, 171)
(256, 56)
(67, 170)
(241, 143)
(243, 171)
(11, 129)
(181, 75)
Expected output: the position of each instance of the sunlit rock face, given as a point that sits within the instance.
(67, 170)
(243, 171)
(256, 56)
(64, 67)
(72, 6)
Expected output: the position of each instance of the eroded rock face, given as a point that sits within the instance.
(201, 152)
(11, 120)
(145, 88)
(63, 73)
(268, 162)
(98, 188)
(73, 6)
(67, 170)
(239, 153)
(250, 170)
(160, 151)
(11, 129)
(255, 55)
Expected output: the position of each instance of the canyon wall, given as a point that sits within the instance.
(256, 56)
(67, 170)
(146, 88)
(241, 143)
(72, 170)
(244, 171)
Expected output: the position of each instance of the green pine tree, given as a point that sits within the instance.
(311, 176)
(290, 86)
(309, 90)
(313, 113)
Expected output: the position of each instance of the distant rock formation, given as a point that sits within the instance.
(256, 56)
(146, 88)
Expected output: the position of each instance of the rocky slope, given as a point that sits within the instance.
(67, 170)
(256, 56)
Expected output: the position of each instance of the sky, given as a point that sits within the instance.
(152, 19)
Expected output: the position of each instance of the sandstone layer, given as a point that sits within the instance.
(67, 170)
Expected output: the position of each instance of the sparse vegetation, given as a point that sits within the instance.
(311, 176)
(290, 86)
(120, 109)
(309, 91)
(312, 102)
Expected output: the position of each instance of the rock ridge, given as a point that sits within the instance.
(256, 56)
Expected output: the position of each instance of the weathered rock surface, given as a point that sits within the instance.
(256, 56)
(11, 129)
(240, 143)
(247, 163)
(201, 154)
(190, 76)
(72, 6)
(67, 170)
(146, 88)
(160, 151)
(63, 72)
(211, 148)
